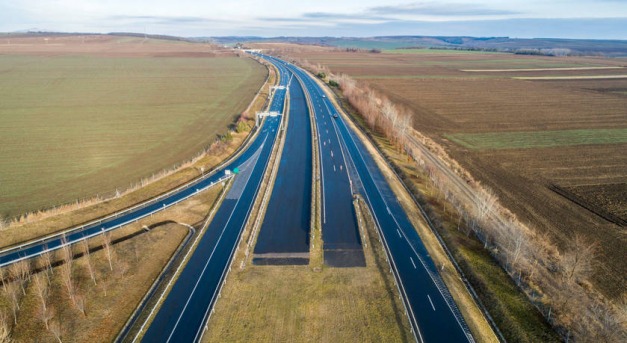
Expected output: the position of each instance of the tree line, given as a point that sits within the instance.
(556, 281)
(55, 273)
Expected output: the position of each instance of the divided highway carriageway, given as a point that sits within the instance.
(347, 165)
(433, 314)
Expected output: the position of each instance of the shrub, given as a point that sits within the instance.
(241, 126)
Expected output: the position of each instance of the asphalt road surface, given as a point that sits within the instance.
(340, 231)
(185, 310)
(433, 314)
(284, 234)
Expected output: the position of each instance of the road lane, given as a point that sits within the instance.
(185, 310)
(284, 234)
(432, 312)
(340, 231)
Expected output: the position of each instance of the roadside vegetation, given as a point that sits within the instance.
(500, 255)
(87, 291)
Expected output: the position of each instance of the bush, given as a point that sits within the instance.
(332, 83)
(321, 75)
(241, 126)
(227, 137)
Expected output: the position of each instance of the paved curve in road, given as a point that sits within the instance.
(185, 310)
(433, 314)
(56, 241)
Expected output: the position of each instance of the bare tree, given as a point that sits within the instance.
(45, 315)
(106, 244)
(40, 283)
(577, 261)
(14, 296)
(87, 257)
(485, 202)
(517, 244)
(46, 259)
(611, 324)
(81, 303)
(55, 330)
(18, 271)
(25, 269)
(5, 330)
(66, 251)
(66, 272)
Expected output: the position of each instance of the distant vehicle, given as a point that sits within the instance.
(324, 96)
(335, 115)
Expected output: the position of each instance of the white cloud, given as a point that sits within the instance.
(309, 17)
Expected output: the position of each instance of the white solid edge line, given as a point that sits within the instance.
(212, 252)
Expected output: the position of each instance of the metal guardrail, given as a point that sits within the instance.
(151, 201)
(64, 233)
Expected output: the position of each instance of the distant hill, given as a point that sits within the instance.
(536, 46)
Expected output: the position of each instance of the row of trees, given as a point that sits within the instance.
(379, 112)
(555, 280)
(37, 277)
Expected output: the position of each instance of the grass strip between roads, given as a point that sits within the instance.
(308, 303)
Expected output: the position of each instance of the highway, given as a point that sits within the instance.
(56, 241)
(284, 234)
(433, 314)
(347, 168)
(340, 230)
(186, 309)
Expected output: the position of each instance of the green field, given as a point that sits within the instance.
(439, 51)
(72, 127)
(538, 139)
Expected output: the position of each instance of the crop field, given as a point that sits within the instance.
(79, 119)
(520, 137)
(538, 139)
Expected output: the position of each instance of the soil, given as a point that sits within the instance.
(446, 100)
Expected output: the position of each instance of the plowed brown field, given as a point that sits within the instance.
(447, 101)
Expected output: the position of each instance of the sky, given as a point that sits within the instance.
(596, 19)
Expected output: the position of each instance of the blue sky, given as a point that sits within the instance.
(602, 19)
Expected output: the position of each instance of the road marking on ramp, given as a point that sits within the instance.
(412, 262)
(433, 307)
